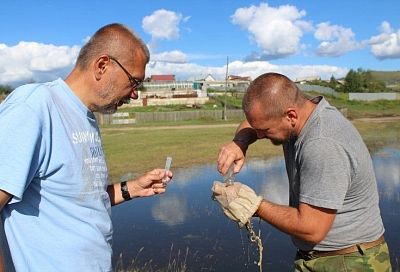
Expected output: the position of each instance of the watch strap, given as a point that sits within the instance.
(125, 191)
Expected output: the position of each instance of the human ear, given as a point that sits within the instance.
(100, 66)
(291, 116)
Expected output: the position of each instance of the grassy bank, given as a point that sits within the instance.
(138, 149)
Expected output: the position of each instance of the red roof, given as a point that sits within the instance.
(162, 78)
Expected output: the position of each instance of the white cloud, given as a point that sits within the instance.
(183, 71)
(163, 24)
(29, 61)
(174, 56)
(171, 210)
(387, 44)
(276, 31)
(334, 40)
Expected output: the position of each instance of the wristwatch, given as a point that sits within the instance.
(125, 191)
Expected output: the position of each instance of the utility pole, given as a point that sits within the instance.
(226, 87)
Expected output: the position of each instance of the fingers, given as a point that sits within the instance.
(238, 166)
(159, 190)
(230, 153)
(159, 175)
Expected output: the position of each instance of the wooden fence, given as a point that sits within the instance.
(173, 116)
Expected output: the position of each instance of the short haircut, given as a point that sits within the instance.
(275, 92)
(115, 40)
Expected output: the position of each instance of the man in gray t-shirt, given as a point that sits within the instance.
(333, 209)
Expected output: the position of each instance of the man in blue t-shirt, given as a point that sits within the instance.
(55, 198)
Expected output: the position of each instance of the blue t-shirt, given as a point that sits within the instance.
(52, 162)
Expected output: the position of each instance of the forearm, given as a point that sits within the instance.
(114, 191)
(245, 135)
(149, 184)
(305, 223)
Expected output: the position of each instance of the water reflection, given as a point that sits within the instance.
(170, 209)
(387, 169)
(186, 227)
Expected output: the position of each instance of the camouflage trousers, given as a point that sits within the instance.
(375, 259)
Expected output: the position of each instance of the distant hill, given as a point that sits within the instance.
(389, 77)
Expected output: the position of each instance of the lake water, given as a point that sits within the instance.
(184, 228)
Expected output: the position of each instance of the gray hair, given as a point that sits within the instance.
(114, 39)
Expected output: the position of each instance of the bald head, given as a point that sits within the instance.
(115, 40)
(275, 92)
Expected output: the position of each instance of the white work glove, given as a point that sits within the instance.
(238, 201)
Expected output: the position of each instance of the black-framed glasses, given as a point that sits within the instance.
(135, 83)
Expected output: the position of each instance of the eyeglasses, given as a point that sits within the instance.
(135, 83)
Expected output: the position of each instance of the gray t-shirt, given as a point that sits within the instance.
(329, 166)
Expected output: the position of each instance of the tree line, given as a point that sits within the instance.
(356, 81)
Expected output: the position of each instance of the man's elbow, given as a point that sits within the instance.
(315, 237)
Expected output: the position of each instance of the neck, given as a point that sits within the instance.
(305, 114)
(79, 86)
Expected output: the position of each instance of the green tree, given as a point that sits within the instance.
(363, 81)
(333, 82)
(352, 82)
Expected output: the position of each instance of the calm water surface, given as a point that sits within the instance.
(185, 227)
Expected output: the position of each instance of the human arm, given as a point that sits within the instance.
(239, 202)
(235, 151)
(4, 198)
(308, 223)
(146, 185)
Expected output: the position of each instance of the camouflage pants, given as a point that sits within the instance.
(375, 259)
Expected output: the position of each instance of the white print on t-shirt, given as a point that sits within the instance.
(94, 168)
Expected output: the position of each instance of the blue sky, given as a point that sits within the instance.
(39, 40)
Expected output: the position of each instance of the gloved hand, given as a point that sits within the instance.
(238, 201)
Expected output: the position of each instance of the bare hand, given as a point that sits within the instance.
(150, 183)
(228, 154)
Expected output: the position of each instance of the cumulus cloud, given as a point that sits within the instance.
(174, 56)
(32, 61)
(334, 40)
(253, 69)
(163, 24)
(387, 171)
(171, 210)
(276, 31)
(387, 44)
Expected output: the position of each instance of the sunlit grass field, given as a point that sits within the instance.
(131, 149)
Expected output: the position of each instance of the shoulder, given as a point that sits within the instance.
(32, 97)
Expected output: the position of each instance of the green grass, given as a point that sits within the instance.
(389, 77)
(360, 109)
(142, 149)
(355, 109)
(137, 150)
